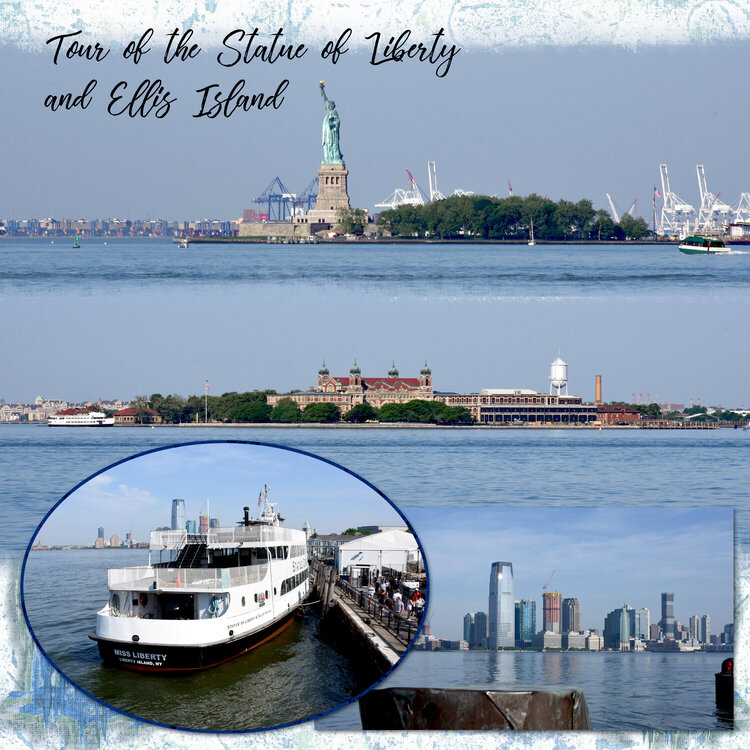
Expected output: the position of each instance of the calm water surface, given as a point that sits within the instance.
(418, 467)
(623, 691)
(294, 676)
(474, 270)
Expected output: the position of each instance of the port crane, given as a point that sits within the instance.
(612, 208)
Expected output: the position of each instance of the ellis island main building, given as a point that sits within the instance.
(490, 406)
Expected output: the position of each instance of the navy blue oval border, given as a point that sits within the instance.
(214, 442)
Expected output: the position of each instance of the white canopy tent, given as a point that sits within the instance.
(388, 549)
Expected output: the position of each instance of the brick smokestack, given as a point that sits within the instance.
(598, 391)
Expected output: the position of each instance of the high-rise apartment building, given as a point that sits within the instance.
(571, 616)
(639, 621)
(525, 622)
(469, 621)
(617, 629)
(551, 612)
(178, 514)
(705, 629)
(667, 614)
(480, 630)
(695, 627)
(501, 607)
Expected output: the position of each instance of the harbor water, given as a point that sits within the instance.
(456, 467)
(623, 691)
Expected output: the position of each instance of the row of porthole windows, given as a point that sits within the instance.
(293, 582)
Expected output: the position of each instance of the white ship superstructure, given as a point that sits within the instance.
(72, 418)
(209, 598)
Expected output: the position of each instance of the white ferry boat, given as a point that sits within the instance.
(218, 595)
(74, 418)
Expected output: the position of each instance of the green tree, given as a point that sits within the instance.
(361, 413)
(602, 227)
(648, 410)
(286, 410)
(634, 228)
(321, 412)
(253, 411)
(140, 405)
(351, 221)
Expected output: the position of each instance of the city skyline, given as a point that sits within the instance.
(137, 495)
(584, 547)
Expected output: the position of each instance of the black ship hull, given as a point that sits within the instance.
(145, 657)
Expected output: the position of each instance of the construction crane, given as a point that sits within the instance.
(612, 208)
(544, 588)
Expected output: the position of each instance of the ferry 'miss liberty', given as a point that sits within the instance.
(218, 595)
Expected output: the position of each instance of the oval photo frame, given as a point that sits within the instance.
(218, 630)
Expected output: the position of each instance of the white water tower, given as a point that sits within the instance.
(558, 376)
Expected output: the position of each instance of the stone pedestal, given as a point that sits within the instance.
(332, 194)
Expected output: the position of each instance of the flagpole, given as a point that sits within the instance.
(206, 407)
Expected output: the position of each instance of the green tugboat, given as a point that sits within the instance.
(76, 242)
(697, 244)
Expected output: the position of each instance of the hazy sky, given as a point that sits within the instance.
(569, 122)
(137, 495)
(247, 337)
(604, 557)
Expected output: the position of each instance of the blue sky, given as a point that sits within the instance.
(604, 557)
(137, 495)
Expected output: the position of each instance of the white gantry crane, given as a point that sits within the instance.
(741, 209)
(612, 208)
(411, 195)
(435, 194)
(676, 214)
(713, 214)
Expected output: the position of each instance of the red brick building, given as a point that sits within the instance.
(137, 416)
(613, 414)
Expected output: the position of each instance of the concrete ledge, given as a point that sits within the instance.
(439, 708)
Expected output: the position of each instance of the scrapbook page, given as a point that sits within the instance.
(375, 374)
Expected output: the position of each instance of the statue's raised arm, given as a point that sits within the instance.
(331, 129)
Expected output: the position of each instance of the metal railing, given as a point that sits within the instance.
(144, 577)
(402, 627)
(175, 539)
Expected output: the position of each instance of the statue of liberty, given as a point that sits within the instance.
(331, 129)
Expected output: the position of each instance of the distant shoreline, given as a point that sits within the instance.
(392, 425)
(173, 241)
